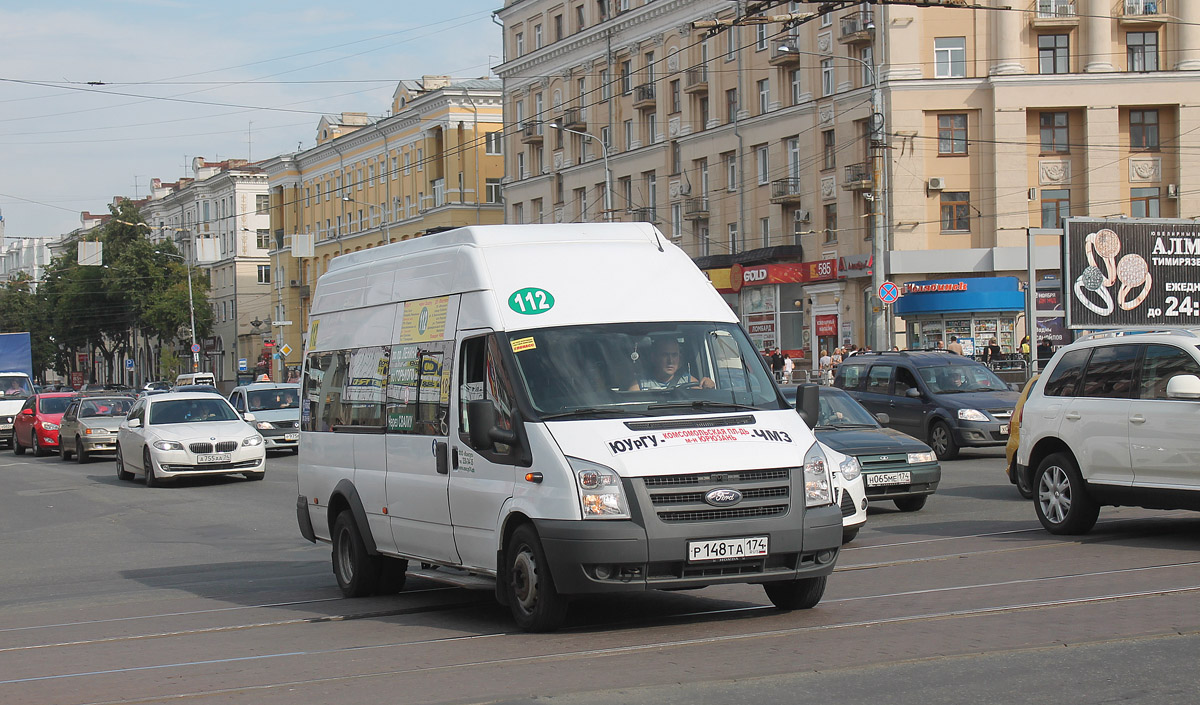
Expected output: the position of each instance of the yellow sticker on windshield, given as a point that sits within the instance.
(523, 344)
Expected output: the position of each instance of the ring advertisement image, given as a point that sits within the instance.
(1131, 272)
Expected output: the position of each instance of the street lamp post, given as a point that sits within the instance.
(191, 309)
(881, 324)
(387, 230)
(608, 210)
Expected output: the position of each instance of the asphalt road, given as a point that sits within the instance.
(205, 593)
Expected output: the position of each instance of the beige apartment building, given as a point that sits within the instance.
(754, 148)
(434, 162)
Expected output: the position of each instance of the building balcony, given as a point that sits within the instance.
(696, 208)
(1142, 13)
(858, 177)
(643, 97)
(783, 52)
(786, 191)
(642, 215)
(1053, 13)
(573, 119)
(696, 81)
(857, 28)
(531, 132)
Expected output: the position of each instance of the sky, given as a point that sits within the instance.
(184, 78)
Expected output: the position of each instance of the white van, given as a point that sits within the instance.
(196, 378)
(548, 411)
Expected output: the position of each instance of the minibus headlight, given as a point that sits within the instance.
(850, 468)
(601, 495)
(817, 483)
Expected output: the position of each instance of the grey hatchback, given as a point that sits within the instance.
(949, 400)
(89, 426)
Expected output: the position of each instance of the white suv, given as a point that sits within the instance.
(1114, 420)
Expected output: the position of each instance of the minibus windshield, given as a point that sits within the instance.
(641, 369)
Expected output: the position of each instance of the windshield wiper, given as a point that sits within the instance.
(988, 389)
(703, 404)
(588, 411)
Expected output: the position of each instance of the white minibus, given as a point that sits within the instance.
(550, 411)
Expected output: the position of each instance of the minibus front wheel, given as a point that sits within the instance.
(535, 603)
(356, 570)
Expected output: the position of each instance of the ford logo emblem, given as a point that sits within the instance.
(723, 497)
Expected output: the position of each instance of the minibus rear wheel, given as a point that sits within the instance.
(356, 570)
(535, 603)
(796, 594)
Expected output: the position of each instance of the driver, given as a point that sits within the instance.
(957, 380)
(664, 372)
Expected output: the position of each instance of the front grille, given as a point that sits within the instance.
(201, 447)
(884, 463)
(719, 514)
(680, 498)
(1002, 414)
(226, 446)
(847, 504)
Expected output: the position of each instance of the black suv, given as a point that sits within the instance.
(950, 400)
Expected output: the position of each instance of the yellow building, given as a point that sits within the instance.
(435, 162)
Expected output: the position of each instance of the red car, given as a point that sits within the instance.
(36, 425)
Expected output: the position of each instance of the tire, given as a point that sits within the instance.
(63, 453)
(911, 504)
(392, 575)
(38, 451)
(1062, 503)
(535, 603)
(356, 570)
(941, 439)
(1024, 485)
(81, 454)
(122, 474)
(255, 475)
(18, 449)
(849, 535)
(800, 594)
(148, 466)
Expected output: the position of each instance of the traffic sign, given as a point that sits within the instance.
(242, 366)
(129, 363)
(286, 350)
(889, 292)
(195, 347)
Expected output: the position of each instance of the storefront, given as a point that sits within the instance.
(771, 301)
(974, 310)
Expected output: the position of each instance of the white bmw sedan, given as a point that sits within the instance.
(184, 434)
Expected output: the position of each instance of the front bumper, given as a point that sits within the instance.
(280, 439)
(580, 553)
(981, 434)
(97, 443)
(923, 480)
(47, 439)
(182, 463)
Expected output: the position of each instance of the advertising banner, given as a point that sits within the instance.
(1131, 272)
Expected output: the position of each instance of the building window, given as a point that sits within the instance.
(581, 203)
(731, 104)
(519, 213)
(263, 236)
(521, 165)
(826, 19)
(702, 111)
(761, 158)
(1143, 129)
(493, 190)
(262, 202)
(731, 43)
(604, 137)
(760, 37)
(731, 171)
(264, 274)
(580, 20)
(952, 134)
(828, 150)
(1142, 50)
(956, 211)
(702, 238)
(651, 181)
(648, 62)
(520, 43)
(950, 57)
(407, 163)
(734, 245)
(1056, 205)
(652, 128)
(831, 224)
(626, 77)
(676, 157)
(605, 85)
(1053, 53)
(1054, 133)
(494, 143)
(827, 77)
(868, 65)
(1143, 202)
(676, 99)
(764, 231)
(629, 134)
(794, 80)
(420, 159)
(764, 95)
(676, 221)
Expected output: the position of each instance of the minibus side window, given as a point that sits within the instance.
(484, 376)
(418, 390)
(362, 393)
(323, 387)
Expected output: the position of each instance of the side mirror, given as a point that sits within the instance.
(883, 419)
(1183, 387)
(808, 403)
(135, 423)
(248, 416)
(481, 418)
(913, 393)
(26, 412)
